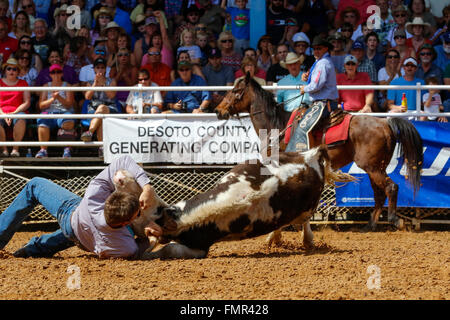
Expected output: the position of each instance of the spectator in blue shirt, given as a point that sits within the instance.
(240, 23)
(187, 101)
(122, 18)
(409, 79)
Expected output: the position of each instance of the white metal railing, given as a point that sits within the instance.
(141, 115)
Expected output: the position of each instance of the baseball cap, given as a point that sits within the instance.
(301, 37)
(184, 64)
(55, 67)
(399, 32)
(350, 58)
(410, 60)
(99, 61)
(151, 20)
(214, 53)
(357, 45)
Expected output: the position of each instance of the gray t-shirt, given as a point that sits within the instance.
(88, 221)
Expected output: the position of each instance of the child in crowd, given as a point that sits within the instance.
(187, 43)
(432, 102)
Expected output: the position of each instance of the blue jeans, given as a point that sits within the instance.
(58, 201)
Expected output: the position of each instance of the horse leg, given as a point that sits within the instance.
(392, 193)
(380, 198)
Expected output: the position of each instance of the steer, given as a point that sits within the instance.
(246, 204)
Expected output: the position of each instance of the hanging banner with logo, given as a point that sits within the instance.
(181, 140)
(434, 191)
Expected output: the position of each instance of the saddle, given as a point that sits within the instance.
(333, 130)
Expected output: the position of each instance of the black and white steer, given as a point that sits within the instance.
(246, 204)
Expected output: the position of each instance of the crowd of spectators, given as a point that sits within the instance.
(207, 43)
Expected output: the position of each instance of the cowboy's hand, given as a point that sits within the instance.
(305, 76)
(153, 229)
(148, 197)
(302, 90)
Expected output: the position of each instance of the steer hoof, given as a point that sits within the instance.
(274, 238)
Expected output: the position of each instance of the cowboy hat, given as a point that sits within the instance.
(102, 10)
(418, 21)
(291, 58)
(111, 25)
(11, 62)
(319, 41)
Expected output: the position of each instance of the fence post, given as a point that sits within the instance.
(418, 97)
(140, 100)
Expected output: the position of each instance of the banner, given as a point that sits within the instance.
(181, 140)
(434, 191)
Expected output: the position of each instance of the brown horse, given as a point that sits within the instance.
(371, 142)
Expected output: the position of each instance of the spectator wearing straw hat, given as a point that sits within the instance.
(290, 98)
(122, 18)
(111, 32)
(420, 31)
(13, 102)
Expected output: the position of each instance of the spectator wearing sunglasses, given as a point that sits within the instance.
(187, 101)
(152, 101)
(124, 73)
(27, 72)
(352, 16)
(87, 73)
(25, 44)
(102, 17)
(159, 72)
(56, 102)
(405, 51)
(400, 14)
(355, 100)
(30, 8)
(427, 68)
(231, 58)
(391, 71)
(13, 102)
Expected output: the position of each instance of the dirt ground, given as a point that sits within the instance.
(344, 265)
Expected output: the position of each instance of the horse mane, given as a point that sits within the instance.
(272, 110)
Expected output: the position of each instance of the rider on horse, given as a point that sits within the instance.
(321, 87)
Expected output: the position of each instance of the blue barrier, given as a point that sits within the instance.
(435, 178)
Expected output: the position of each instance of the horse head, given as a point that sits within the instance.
(236, 100)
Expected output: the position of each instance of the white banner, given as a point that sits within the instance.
(190, 140)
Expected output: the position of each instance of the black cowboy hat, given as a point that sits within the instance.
(319, 41)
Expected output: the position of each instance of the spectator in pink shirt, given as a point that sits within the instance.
(355, 100)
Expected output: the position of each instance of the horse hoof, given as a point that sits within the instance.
(400, 224)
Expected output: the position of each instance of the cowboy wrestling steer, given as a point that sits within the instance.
(246, 204)
(125, 182)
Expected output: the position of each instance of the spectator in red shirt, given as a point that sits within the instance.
(355, 100)
(421, 31)
(360, 5)
(14, 102)
(159, 72)
(8, 45)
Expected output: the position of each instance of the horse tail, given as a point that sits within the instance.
(410, 147)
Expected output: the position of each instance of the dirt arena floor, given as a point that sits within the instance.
(344, 265)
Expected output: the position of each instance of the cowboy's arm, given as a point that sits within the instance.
(318, 79)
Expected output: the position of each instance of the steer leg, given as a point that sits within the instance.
(274, 238)
(174, 251)
(308, 237)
